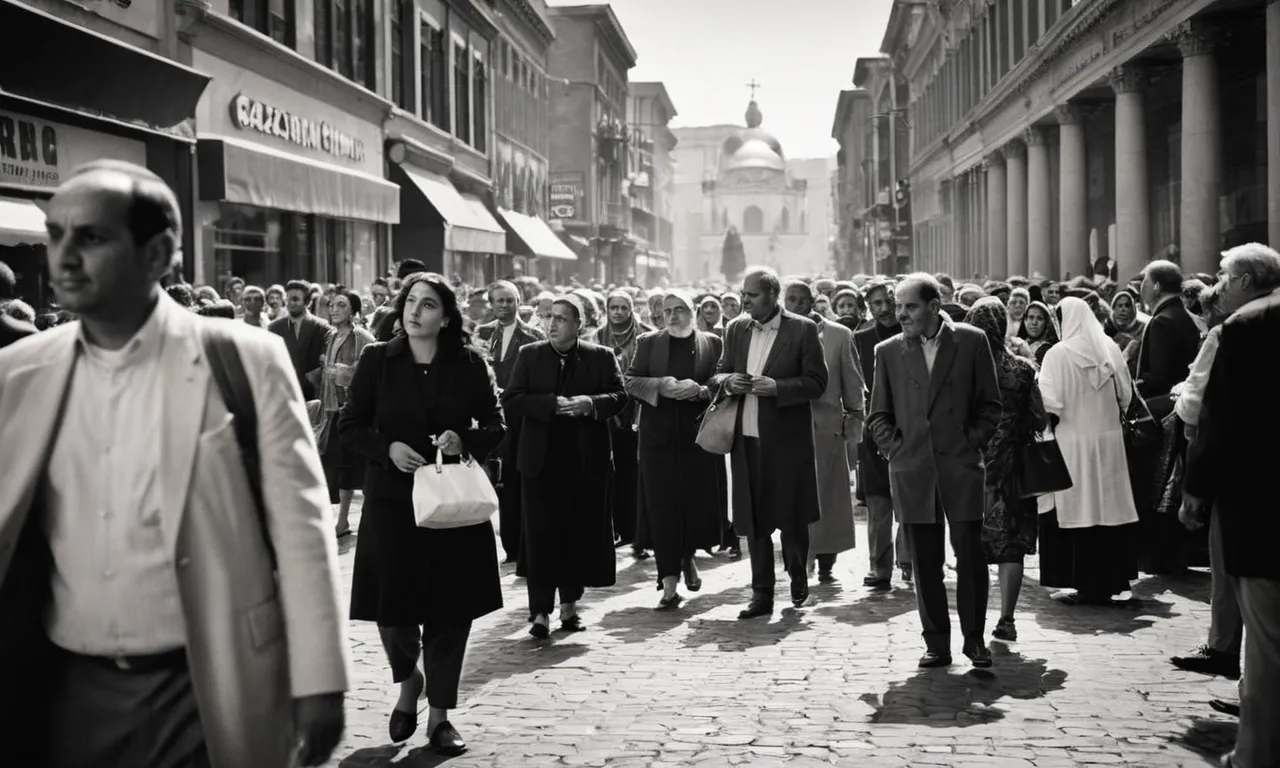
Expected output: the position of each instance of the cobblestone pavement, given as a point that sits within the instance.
(833, 683)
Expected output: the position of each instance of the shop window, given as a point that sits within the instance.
(434, 106)
(461, 93)
(752, 221)
(276, 19)
(402, 71)
(479, 103)
(247, 244)
(345, 39)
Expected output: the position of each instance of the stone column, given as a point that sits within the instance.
(1015, 156)
(1273, 121)
(1133, 205)
(1039, 205)
(1199, 234)
(1073, 192)
(997, 228)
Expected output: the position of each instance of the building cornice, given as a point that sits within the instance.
(476, 17)
(608, 27)
(532, 19)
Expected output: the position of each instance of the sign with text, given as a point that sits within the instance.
(252, 115)
(567, 190)
(39, 153)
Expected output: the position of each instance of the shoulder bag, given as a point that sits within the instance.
(1043, 470)
(452, 495)
(718, 423)
(1141, 431)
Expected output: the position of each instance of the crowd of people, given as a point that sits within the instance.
(670, 421)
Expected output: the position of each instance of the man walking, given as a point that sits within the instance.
(773, 361)
(151, 613)
(304, 335)
(934, 406)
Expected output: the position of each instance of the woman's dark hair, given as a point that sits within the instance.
(219, 308)
(353, 299)
(453, 336)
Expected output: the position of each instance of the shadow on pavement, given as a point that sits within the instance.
(506, 657)
(640, 624)
(944, 698)
(1209, 738)
(1120, 618)
(732, 635)
(871, 607)
(374, 757)
(1192, 585)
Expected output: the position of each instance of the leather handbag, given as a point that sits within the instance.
(715, 430)
(1043, 469)
(1141, 431)
(452, 495)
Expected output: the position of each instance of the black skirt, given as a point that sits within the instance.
(1096, 561)
(343, 467)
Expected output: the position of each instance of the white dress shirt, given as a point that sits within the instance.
(762, 338)
(1191, 394)
(508, 331)
(115, 591)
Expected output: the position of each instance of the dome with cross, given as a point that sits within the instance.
(753, 147)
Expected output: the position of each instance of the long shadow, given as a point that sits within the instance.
(505, 657)
(871, 608)
(641, 624)
(736, 636)
(390, 754)
(1209, 738)
(942, 698)
(1125, 617)
(1192, 585)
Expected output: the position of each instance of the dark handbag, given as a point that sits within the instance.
(1043, 470)
(1141, 431)
(718, 424)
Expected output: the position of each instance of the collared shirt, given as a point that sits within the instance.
(762, 338)
(508, 331)
(295, 324)
(115, 591)
(930, 348)
(1191, 397)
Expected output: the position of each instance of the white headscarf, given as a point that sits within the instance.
(1085, 341)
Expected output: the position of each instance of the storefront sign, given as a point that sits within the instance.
(39, 153)
(566, 192)
(251, 115)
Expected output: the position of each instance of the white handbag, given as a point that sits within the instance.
(452, 495)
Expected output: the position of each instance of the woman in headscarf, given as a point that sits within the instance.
(1039, 330)
(1010, 522)
(850, 308)
(730, 306)
(1086, 541)
(620, 334)
(822, 305)
(1126, 324)
(709, 316)
(1019, 300)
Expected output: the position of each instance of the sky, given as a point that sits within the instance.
(802, 53)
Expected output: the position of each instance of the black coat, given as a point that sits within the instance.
(491, 337)
(565, 464)
(1169, 346)
(406, 575)
(306, 352)
(873, 468)
(1227, 469)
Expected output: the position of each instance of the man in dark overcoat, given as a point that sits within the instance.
(304, 334)
(774, 363)
(561, 394)
(504, 337)
(934, 406)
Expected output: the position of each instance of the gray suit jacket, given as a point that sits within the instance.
(839, 410)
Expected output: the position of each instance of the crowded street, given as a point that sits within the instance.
(834, 683)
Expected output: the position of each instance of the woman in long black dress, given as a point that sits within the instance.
(1009, 523)
(417, 394)
(682, 484)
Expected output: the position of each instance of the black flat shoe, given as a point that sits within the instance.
(446, 740)
(670, 603)
(1005, 630)
(404, 724)
(735, 553)
(799, 594)
(692, 581)
(872, 580)
(572, 624)
(639, 554)
(980, 656)
(539, 631)
(757, 607)
(931, 660)
(826, 577)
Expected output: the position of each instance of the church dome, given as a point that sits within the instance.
(753, 147)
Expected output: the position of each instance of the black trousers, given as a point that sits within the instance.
(509, 510)
(625, 483)
(927, 543)
(795, 556)
(441, 648)
(670, 562)
(105, 717)
(542, 598)
(826, 562)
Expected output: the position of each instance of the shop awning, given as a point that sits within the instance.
(240, 172)
(536, 236)
(469, 226)
(53, 60)
(21, 222)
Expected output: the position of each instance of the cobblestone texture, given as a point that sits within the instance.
(833, 683)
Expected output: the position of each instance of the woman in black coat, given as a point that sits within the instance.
(560, 397)
(410, 397)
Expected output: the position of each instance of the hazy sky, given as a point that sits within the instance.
(801, 51)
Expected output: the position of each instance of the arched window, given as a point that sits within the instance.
(752, 220)
(784, 222)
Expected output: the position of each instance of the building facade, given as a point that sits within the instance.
(589, 64)
(696, 159)
(1064, 137)
(887, 231)
(849, 185)
(652, 180)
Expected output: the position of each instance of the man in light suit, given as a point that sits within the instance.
(304, 334)
(145, 617)
(837, 419)
(934, 406)
(773, 362)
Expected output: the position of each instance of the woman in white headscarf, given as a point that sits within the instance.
(1086, 541)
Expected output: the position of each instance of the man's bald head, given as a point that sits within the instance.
(152, 206)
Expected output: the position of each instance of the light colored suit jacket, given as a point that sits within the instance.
(839, 410)
(254, 642)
